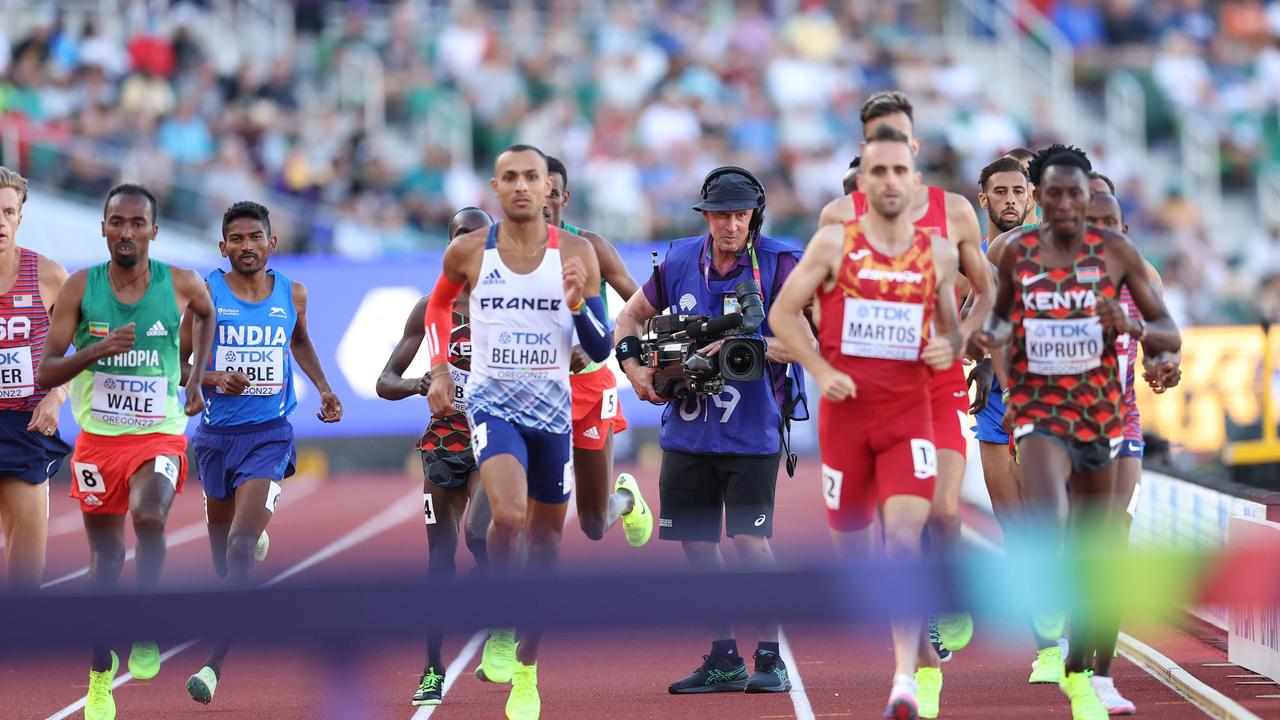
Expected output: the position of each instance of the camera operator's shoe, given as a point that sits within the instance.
(637, 525)
(770, 675)
(715, 675)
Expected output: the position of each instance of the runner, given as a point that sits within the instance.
(450, 479)
(31, 450)
(597, 414)
(1061, 280)
(533, 285)
(850, 181)
(244, 446)
(874, 423)
(131, 454)
(953, 218)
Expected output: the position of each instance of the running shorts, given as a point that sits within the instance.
(32, 457)
(546, 457)
(102, 466)
(696, 490)
(596, 409)
(229, 457)
(949, 403)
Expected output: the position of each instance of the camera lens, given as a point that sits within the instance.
(739, 361)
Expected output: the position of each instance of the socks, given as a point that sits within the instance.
(724, 649)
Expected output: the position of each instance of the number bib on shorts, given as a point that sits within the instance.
(460, 378)
(17, 376)
(881, 329)
(129, 400)
(264, 366)
(1063, 347)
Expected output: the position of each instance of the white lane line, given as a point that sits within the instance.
(182, 536)
(799, 698)
(404, 507)
(455, 668)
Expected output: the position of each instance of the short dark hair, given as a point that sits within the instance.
(522, 147)
(131, 189)
(886, 102)
(1111, 187)
(1004, 164)
(856, 162)
(460, 219)
(247, 209)
(1020, 154)
(1056, 154)
(555, 167)
(887, 133)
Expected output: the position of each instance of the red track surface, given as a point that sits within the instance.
(846, 672)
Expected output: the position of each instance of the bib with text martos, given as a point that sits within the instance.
(252, 338)
(23, 326)
(1064, 371)
(521, 335)
(134, 392)
(879, 311)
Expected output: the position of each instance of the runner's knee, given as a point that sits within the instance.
(509, 514)
(240, 548)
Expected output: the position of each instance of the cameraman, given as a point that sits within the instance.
(721, 452)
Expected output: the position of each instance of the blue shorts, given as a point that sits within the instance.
(989, 428)
(1133, 448)
(29, 456)
(229, 457)
(547, 457)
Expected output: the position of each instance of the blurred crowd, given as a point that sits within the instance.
(639, 99)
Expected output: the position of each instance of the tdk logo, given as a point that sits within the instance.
(130, 385)
(249, 356)
(524, 338)
(884, 313)
(9, 357)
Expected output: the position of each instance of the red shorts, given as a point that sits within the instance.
(596, 409)
(102, 466)
(870, 454)
(949, 400)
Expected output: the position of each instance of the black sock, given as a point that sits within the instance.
(724, 649)
(769, 647)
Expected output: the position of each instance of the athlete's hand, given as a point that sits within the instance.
(230, 383)
(330, 407)
(939, 354)
(44, 419)
(980, 378)
(1162, 371)
(440, 394)
(574, 274)
(422, 385)
(578, 359)
(973, 351)
(1006, 422)
(1111, 314)
(835, 385)
(116, 342)
(195, 398)
(641, 377)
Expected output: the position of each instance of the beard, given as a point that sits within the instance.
(1003, 225)
(127, 261)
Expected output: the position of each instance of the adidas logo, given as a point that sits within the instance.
(92, 500)
(493, 278)
(157, 330)
(591, 433)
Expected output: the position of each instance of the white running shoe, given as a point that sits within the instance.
(1116, 704)
(902, 699)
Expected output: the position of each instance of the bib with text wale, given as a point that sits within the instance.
(129, 400)
(882, 329)
(264, 366)
(1063, 347)
(17, 377)
(460, 378)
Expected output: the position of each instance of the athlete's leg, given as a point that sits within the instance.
(444, 522)
(24, 514)
(1040, 527)
(151, 491)
(1001, 475)
(1128, 474)
(598, 508)
(507, 490)
(944, 515)
(904, 518)
(106, 560)
(218, 515)
(478, 519)
(545, 527)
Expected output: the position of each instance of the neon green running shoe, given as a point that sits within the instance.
(955, 631)
(202, 685)
(430, 689)
(264, 545)
(144, 660)
(98, 702)
(524, 703)
(1085, 704)
(498, 660)
(928, 691)
(637, 525)
(1048, 666)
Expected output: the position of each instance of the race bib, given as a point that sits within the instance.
(17, 377)
(881, 329)
(526, 355)
(1063, 347)
(129, 400)
(609, 403)
(264, 366)
(460, 378)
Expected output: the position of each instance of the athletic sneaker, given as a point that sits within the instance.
(1085, 704)
(715, 675)
(1047, 667)
(144, 660)
(498, 660)
(637, 525)
(955, 631)
(524, 703)
(202, 685)
(770, 675)
(928, 691)
(98, 702)
(430, 688)
(935, 639)
(902, 699)
(264, 544)
(1112, 700)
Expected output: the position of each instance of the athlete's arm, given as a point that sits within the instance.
(836, 212)
(777, 350)
(962, 225)
(1158, 333)
(786, 317)
(581, 277)
(304, 353)
(438, 318)
(392, 384)
(51, 277)
(194, 295)
(56, 367)
(995, 335)
(230, 383)
(944, 347)
(630, 325)
(1161, 371)
(612, 269)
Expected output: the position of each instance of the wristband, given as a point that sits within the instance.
(582, 302)
(627, 348)
(1142, 330)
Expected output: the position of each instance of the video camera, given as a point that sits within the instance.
(672, 342)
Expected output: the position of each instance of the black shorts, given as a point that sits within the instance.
(29, 456)
(448, 469)
(695, 491)
(1085, 456)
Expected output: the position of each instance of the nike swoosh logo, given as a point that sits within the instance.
(1032, 278)
(1134, 447)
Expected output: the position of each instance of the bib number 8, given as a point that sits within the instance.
(89, 478)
